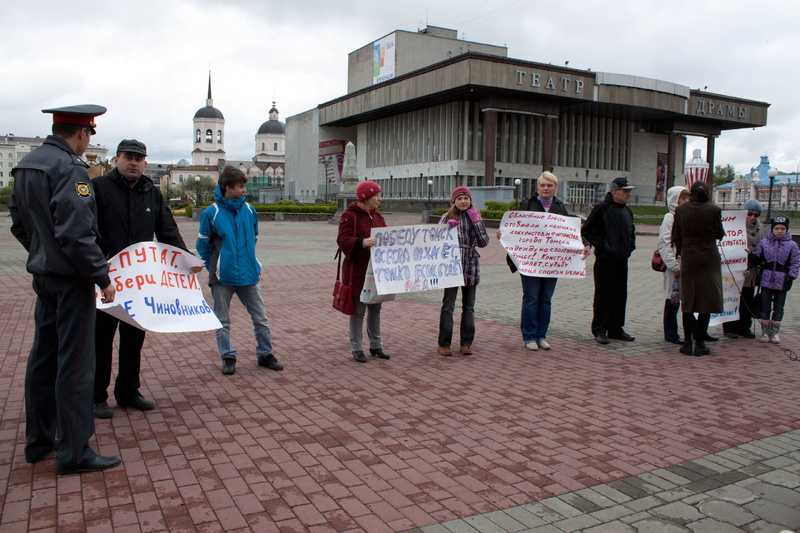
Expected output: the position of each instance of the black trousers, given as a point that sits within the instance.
(60, 374)
(131, 340)
(610, 295)
(695, 328)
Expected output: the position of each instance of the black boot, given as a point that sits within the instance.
(359, 356)
(379, 353)
(686, 348)
(700, 348)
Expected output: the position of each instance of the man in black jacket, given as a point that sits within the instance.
(54, 216)
(130, 210)
(610, 230)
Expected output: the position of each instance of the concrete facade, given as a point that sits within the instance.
(480, 118)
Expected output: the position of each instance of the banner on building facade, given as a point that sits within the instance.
(416, 258)
(157, 291)
(383, 59)
(543, 245)
(734, 263)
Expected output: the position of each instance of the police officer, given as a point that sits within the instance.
(54, 217)
(130, 210)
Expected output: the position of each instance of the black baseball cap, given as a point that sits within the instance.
(621, 183)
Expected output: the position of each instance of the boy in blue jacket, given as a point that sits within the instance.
(227, 243)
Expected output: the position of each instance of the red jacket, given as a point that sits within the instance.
(356, 257)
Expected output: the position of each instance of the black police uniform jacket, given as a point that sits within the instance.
(54, 214)
(127, 215)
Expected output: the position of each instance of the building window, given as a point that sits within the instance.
(205, 161)
(275, 146)
(262, 147)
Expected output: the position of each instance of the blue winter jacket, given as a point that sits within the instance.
(227, 242)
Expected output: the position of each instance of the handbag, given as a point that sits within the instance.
(657, 262)
(369, 294)
(342, 292)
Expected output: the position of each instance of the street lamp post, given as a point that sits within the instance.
(586, 188)
(430, 188)
(326, 160)
(771, 173)
(197, 191)
(517, 181)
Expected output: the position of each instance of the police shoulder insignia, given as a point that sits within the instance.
(83, 190)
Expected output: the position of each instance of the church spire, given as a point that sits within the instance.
(209, 101)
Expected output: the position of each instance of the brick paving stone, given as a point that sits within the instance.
(709, 525)
(417, 440)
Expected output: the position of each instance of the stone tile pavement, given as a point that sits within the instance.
(624, 437)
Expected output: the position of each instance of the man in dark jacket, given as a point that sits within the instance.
(54, 216)
(610, 230)
(130, 210)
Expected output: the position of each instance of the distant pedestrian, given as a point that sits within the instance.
(463, 216)
(227, 243)
(779, 258)
(55, 218)
(609, 229)
(354, 241)
(748, 303)
(695, 232)
(675, 196)
(537, 292)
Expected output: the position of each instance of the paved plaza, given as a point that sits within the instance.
(620, 438)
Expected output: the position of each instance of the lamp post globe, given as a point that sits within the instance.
(430, 188)
(197, 191)
(771, 173)
(517, 182)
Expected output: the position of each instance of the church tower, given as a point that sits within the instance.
(271, 139)
(209, 133)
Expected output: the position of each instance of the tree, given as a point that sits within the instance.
(5, 193)
(724, 174)
(189, 190)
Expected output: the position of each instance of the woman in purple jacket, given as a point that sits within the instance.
(780, 258)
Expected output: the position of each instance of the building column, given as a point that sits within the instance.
(671, 174)
(710, 140)
(548, 157)
(489, 146)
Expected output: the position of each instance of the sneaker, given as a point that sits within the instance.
(533, 346)
(543, 344)
(269, 361)
(445, 350)
(229, 366)
(102, 410)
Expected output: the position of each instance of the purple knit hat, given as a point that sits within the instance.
(460, 191)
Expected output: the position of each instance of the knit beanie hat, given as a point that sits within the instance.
(752, 205)
(460, 191)
(783, 221)
(367, 189)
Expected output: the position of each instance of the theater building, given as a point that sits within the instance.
(428, 111)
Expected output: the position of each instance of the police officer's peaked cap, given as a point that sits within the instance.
(81, 115)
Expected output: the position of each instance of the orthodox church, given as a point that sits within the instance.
(265, 171)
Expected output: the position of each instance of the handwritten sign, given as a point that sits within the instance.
(157, 291)
(543, 245)
(734, 263)
(416, 258)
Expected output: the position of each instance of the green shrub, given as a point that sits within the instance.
(644, 210)
(292, 208)
(188, 210)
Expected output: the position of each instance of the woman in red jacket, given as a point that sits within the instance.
(354, 240)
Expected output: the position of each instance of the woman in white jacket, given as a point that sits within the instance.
(675, 197)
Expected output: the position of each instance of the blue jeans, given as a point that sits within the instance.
(772, 300)
(537, 295)
(253, 300)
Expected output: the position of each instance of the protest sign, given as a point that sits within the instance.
(543, 245)
(157, 291)
(734, 263)
(416, 258)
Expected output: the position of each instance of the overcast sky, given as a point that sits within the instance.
(148, 61)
